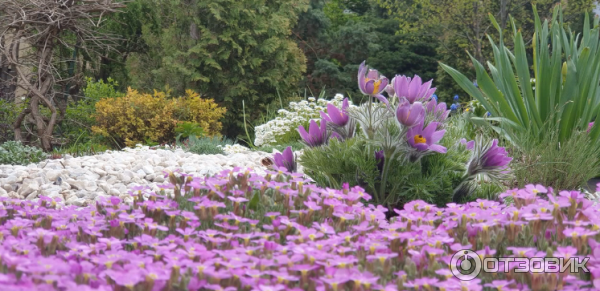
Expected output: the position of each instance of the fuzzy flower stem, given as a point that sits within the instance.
(386, 166)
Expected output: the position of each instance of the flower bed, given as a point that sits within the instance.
(242, 231)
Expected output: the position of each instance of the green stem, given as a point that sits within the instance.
(386, 167)
(250, 143)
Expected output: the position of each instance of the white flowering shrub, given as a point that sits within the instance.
(233, 149)
(282, 129)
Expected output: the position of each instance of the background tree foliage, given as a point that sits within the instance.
(463, 25)
(337, 35)
(228, 50)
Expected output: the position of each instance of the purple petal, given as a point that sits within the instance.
(421, 146)
(324, 116)
(438, 148)
(382, 99)
(401, 85)
(362, 71)
(429, 130)
(431, 105)
(437, 136)
(303, 134)
(373, 74)
(370, 87)
(288, 155)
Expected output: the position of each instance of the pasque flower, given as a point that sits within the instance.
(488, 158)
(410, 114)
(412, 89)
(425, 139)
(495, 156)
(371, 83)
(316, 135)
(438, 110)
(286, 160)
(336, 116)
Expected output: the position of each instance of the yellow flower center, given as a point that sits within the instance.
(420, 139)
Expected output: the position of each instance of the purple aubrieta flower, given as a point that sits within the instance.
(371, 83)
(412, 89)
(425, 139)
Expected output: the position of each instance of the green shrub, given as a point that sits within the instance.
(8, 115)
(206, 145)
(14, 153)
(187, 129)
(79, 116)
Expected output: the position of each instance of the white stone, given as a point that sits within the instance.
(148, 169)
(83, 185)
(99, 171)
(3, 193)
(28, 187)
(32, 196)
(52, 175)
(53, 190)
(114, 192)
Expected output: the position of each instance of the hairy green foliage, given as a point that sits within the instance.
(15, 153)
(205, 145)
(228, 50)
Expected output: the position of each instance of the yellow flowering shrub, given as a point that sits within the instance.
(141, 117)
(204, 112)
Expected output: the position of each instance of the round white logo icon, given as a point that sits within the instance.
(465, 265)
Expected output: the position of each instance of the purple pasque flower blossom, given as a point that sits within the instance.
(316, 135)
(425, 139)
(412, 89)
(488, 158)
(468, 144)
(335, 116)
(339, 122)
(286, 160)
(437, 110)
(371, 83)
(495, 156)
(410, 115)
